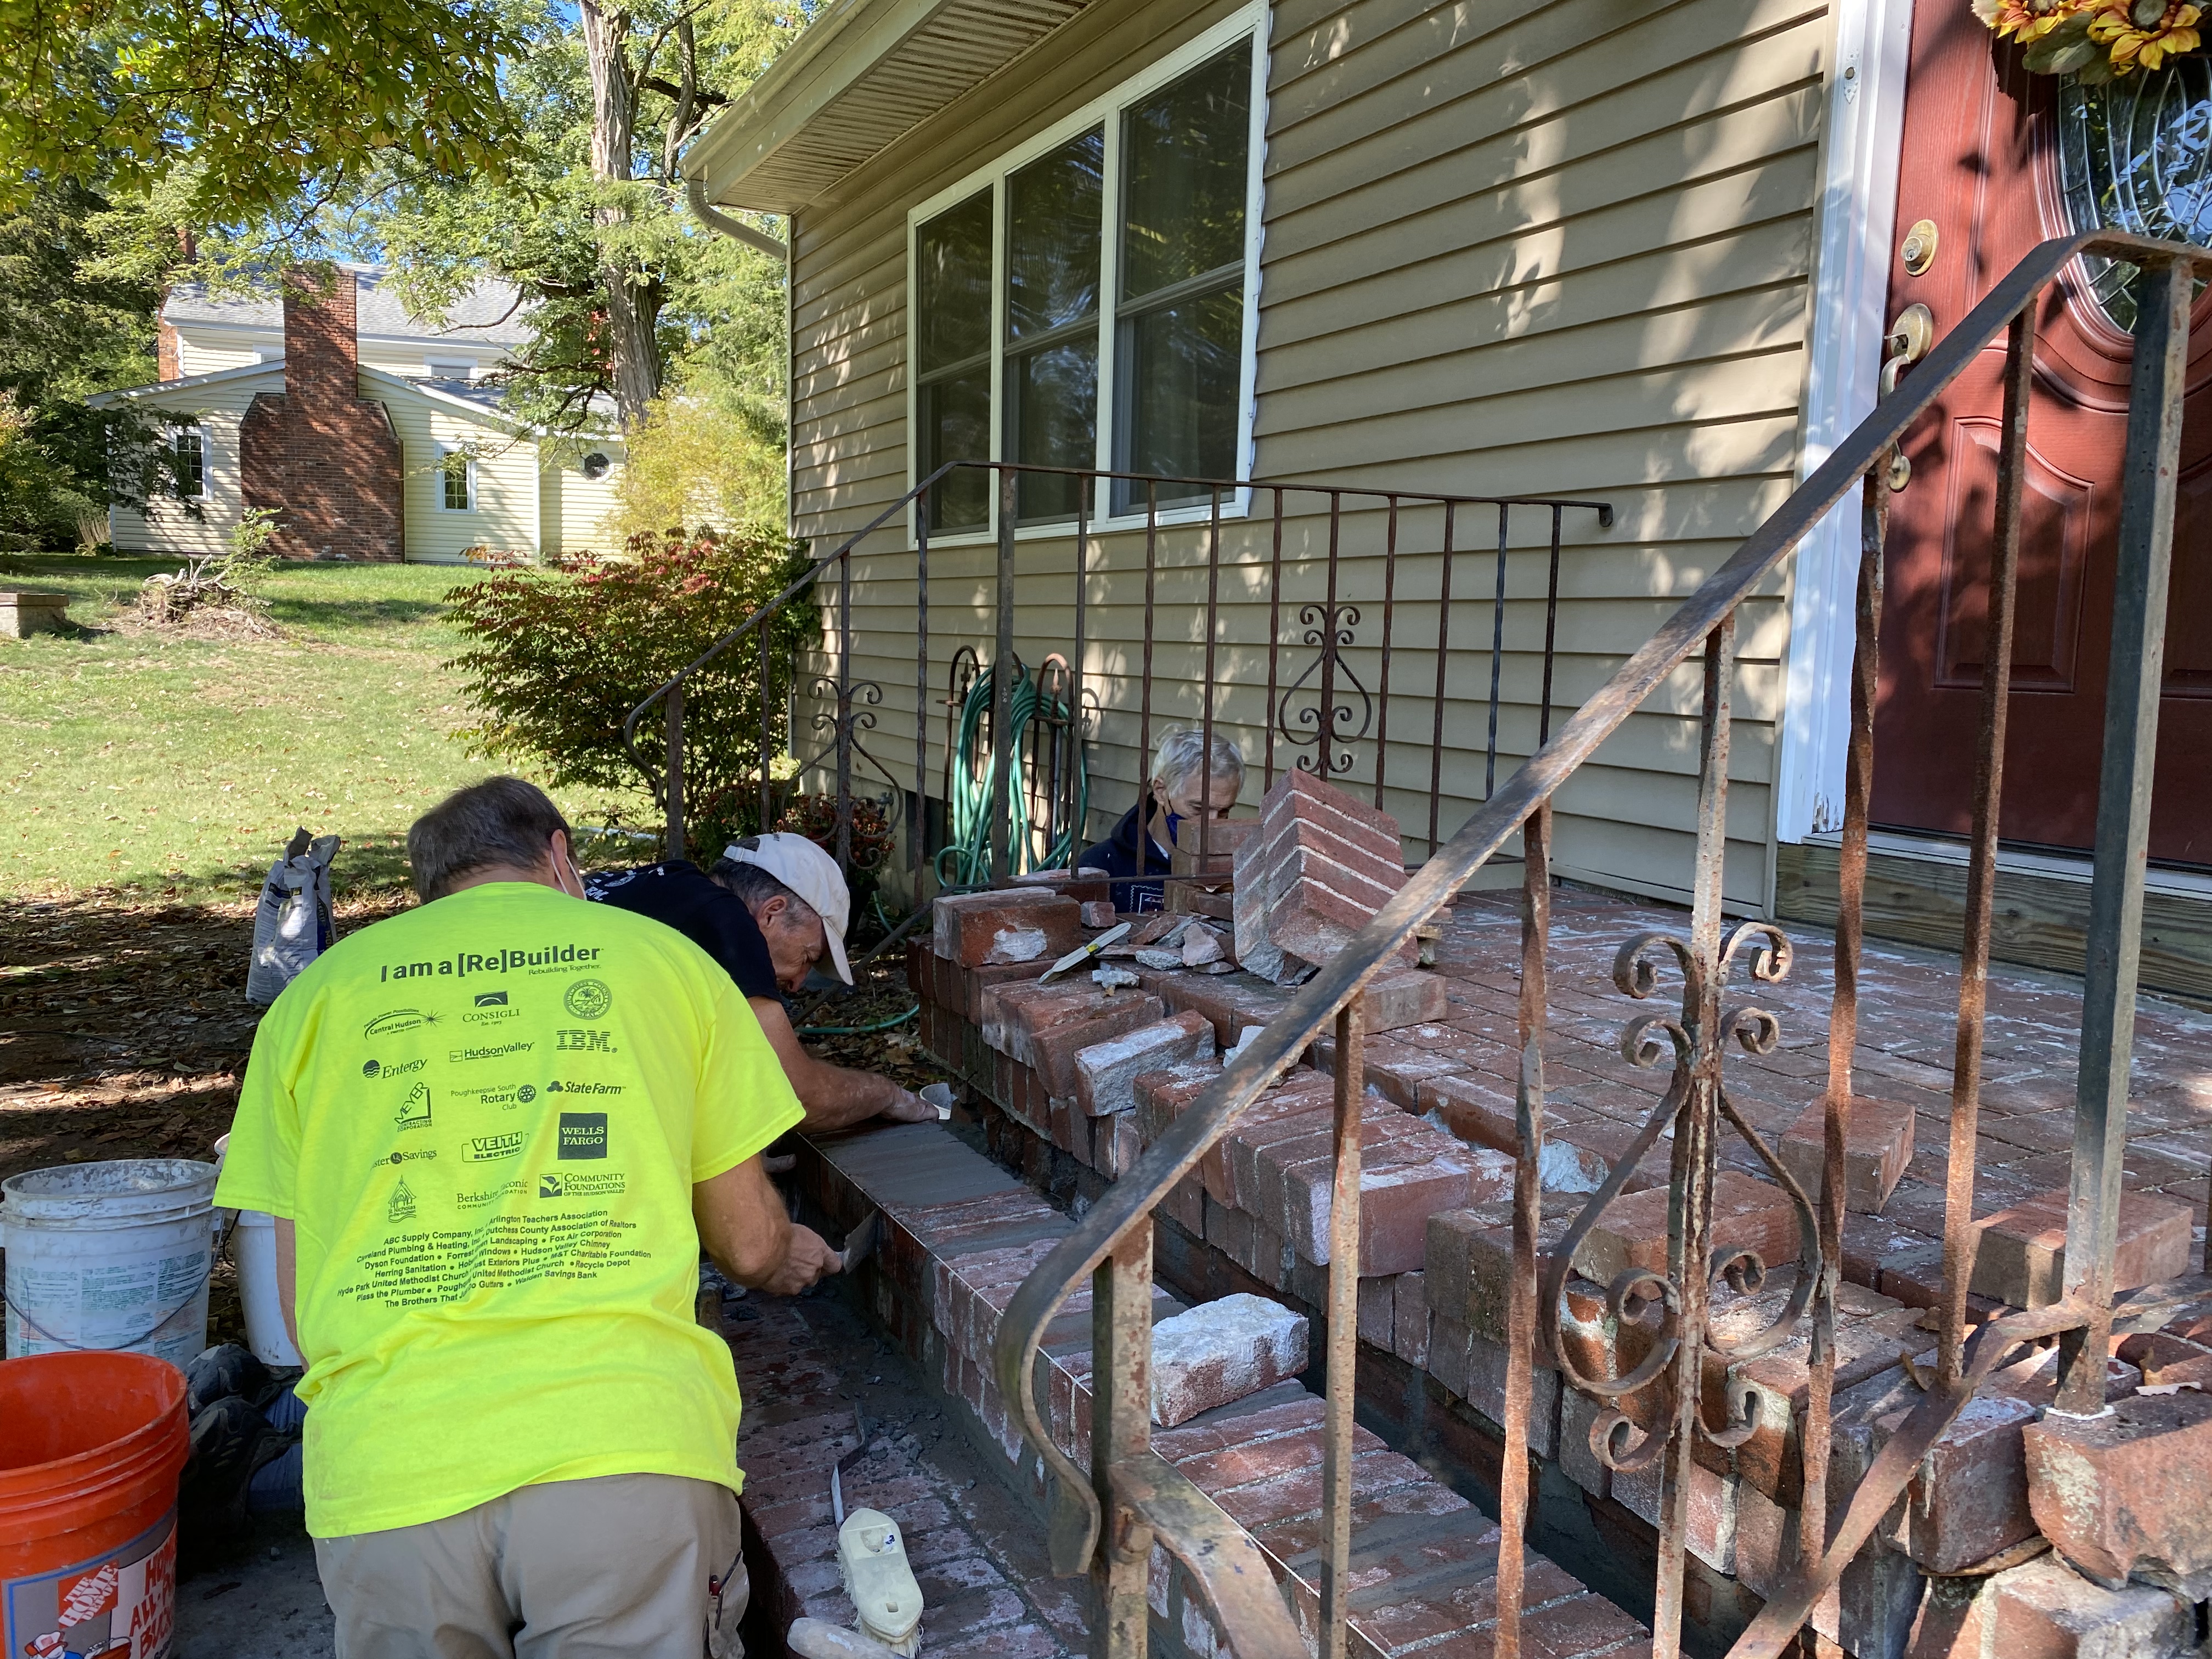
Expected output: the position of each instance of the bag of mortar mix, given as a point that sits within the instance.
(293, 925)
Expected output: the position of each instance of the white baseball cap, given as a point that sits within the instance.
(812, 874)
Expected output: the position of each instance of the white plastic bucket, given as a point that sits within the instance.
(109, 1255)
(253, 1247)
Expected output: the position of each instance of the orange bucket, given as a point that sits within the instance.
(91, 1446)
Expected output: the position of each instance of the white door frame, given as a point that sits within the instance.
(1857, 218)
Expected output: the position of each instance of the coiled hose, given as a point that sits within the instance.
(965, 861)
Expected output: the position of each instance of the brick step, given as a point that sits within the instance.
(1435, 1251)
(961, 1233)
(975, 1549)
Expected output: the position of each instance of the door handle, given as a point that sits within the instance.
(1906, 343)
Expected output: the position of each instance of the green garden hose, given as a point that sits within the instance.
(859, 1031)
(966, 861)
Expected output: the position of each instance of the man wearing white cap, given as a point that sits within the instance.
(768, 911)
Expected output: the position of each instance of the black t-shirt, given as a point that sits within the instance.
(678, 894)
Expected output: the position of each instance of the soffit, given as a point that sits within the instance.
(864, 73)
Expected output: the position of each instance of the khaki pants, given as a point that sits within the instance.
(643, 1566)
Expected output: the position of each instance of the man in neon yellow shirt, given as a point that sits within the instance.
(496, 1131)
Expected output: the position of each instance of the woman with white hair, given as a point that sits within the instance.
(1187, 782)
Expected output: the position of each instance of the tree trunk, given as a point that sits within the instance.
(628, 312)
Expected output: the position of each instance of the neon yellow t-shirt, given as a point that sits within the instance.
(484, 1117)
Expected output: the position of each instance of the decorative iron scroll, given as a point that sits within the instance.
(1696, 1102)
(852, 712)
(1329, 628)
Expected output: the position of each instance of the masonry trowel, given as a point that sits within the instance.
(1076, 958)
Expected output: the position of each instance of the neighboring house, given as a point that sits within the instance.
(375, 435)
(1642, 254)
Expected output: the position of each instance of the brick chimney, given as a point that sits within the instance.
(165, 336)
(321, 453)
(322, 346)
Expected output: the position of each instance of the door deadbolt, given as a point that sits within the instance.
(1919, 250)
(1907, 342)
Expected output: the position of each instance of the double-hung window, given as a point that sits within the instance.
(191, 443)
(952, 359)
(456, 480)
(1086, 302)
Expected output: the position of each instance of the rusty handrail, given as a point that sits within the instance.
(667, 781)
(1123, 1212)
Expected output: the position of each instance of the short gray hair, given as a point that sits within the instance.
(754, 885)
(1182, 750)
(499, 821)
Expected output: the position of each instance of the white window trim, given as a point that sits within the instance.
(1864, 139)
(438, 474)
(1249, 23)
(198, 430)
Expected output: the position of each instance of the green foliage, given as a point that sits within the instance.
(245, 101)
(705, 459)
(557, 658)
(549, 224)
(79, 284)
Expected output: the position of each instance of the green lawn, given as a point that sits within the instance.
(178, 768)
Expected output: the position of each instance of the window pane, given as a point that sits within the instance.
(191, 465)
(956, 426)
(1182, 375)
(953, 284)
(1184, 149)
(1052, 227)
(1053, 421)
(457, 483)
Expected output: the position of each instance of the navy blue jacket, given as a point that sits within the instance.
(1129, 850)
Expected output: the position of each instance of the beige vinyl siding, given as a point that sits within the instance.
(1562, 250)
(166, 528)
(198, 354)
(578, 522)
(506, 519)
(412, 358)
(551, 480)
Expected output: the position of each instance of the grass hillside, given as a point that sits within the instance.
(178, 768)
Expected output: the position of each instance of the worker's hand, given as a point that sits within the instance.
(908, 1108)
(807, 1262)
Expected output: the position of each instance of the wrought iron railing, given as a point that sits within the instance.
(1107, 1518)
(1328, 609)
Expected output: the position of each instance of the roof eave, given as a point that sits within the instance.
(862, 76)
(186, 383)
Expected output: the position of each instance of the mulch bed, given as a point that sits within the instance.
(124, 1030)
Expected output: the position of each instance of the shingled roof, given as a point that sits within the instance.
(491, 311)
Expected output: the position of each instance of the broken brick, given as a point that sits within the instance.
(1106, 1073)
(2122, 1496)
(1045, 1026)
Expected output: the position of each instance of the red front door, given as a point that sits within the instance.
(1981, 163)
